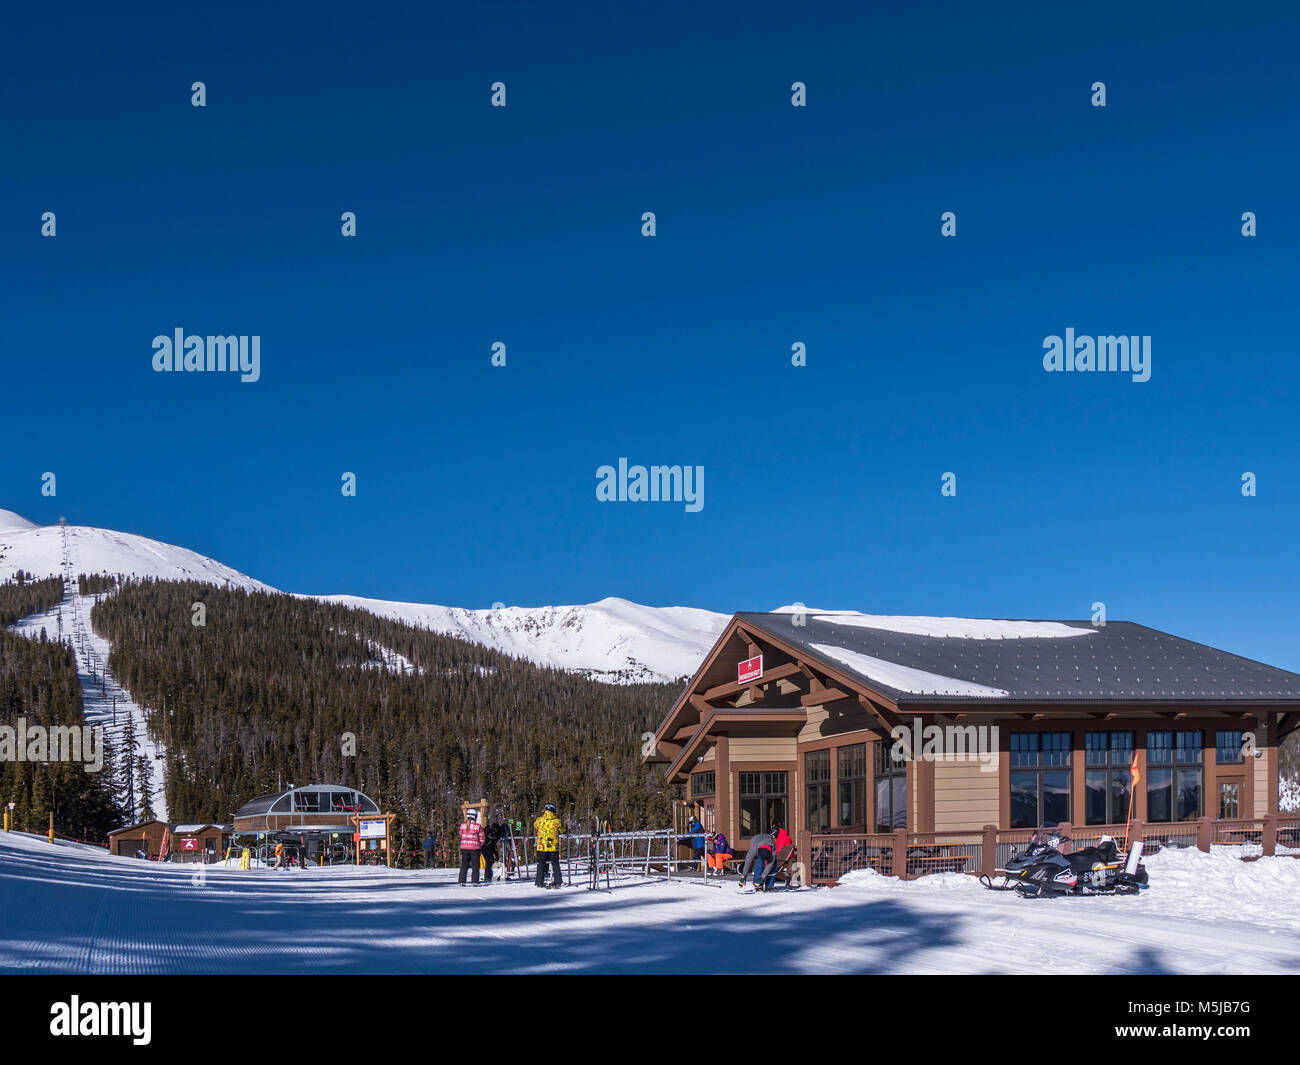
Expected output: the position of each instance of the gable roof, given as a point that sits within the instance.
(924, 660)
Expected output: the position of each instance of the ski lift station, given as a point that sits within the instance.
(324, 823)
(915, 744)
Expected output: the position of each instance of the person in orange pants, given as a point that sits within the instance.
(719, 852)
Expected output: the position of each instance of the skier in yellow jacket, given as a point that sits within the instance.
(548, 829)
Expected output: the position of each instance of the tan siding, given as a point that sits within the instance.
(817, 715)
(711, 754)
(812, 728)
(762, 749)
(1261, 785)
(965, 797)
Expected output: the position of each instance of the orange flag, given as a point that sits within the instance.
(1133, 769)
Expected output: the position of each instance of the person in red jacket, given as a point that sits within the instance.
(471, 845)
(782, 845)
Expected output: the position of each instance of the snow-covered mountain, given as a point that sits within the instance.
(41, 551)
(613, 640)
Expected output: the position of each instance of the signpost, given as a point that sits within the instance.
(374, 828)
(749, 669)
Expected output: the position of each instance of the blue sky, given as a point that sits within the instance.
(775, 224)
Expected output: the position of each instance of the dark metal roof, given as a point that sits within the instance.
(260, 805)
(1118, 662)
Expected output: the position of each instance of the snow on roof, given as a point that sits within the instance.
(958, 628)
(988, 660)
(905, 678)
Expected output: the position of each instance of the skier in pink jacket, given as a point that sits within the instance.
(471, 845)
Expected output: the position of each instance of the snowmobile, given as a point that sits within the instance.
(1042, 871)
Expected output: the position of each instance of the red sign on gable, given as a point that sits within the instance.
(750, 669)
(189, 844)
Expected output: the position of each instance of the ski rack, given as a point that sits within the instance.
(649, 853)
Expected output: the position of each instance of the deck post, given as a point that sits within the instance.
(1204, 833)
(989, 850)
(1270, 835)
(900, 853)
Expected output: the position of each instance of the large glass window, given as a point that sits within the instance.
(1174, 775)
(817, 790)
(1227, 747)
(763, 801)
(1040, 778)
(306, 802)
(1108, 782)
(703, 783)
(891, 788)
(851, 772)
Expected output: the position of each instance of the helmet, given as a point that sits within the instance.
(472, 815)
(549, 806)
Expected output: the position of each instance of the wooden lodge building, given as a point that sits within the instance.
(789, 720)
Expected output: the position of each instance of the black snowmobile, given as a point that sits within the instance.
(1042, 871)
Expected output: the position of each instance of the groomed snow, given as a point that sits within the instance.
(904, 678)
(70, 908)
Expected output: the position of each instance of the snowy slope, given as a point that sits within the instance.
(104, 701)
(612, 640)
(40, 550)
(9, 521)
(76, 909)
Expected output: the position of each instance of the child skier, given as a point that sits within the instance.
(719, 852)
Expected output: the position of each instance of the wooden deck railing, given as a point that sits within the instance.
(912, 854)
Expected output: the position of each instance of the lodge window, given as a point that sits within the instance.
(1040, 778)
(1174, 775)
(1230, 800)
(763, 800)
(1108, 781)
(817, 789)
(1227, 747)
(703, 784)
(891, 788)
(851, 766)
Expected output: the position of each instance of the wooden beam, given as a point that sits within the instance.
(889, 719)
(735, 688)
(824, 695)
